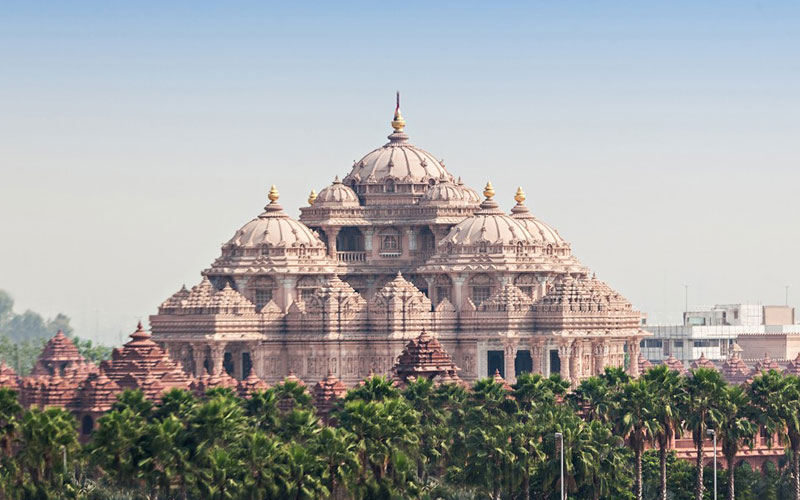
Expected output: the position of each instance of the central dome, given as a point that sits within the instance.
(397, 161)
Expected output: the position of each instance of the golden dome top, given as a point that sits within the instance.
(273, 194)
(488, 191)
(519, 197)
(398, 123)
(312, 196)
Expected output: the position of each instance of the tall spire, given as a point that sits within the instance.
(398, 124)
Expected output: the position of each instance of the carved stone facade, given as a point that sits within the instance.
(397, 246)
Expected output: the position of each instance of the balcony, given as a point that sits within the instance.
(352, 256)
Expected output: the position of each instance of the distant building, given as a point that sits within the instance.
(712, 331)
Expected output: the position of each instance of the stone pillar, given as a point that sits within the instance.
(257, 358)
(332, 233)
(368, 235)
(509, 356)
(199, 355)
(575, 368)
(217, 357)
(458, 291)
(633, 357)
(564, 355)
(412, 241)
(599, 351)
(287, 294)
(543, 281)
(536, 356)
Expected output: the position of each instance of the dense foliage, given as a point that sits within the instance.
(422, 441)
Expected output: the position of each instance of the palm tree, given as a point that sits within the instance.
(339, 450)
(777, 398)
(10, 412)
(262, 408)
(167, 460)
(592, 398)
(526, 441)
(266, 473)
(580, 451)
(637, 421)
(305, 474)
(45, 436)
(117, 445)
(178, 402)
(705, 391)
(609, 470)
(532, 390)
(375, 388)
(736, 428)
(669, 390)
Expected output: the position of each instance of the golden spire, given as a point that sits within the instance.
(519, 197)
(312, 197)
(273, 194)
(488, 191)
(398, 124)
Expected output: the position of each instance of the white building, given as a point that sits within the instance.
(713, 330)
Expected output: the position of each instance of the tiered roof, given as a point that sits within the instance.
(8, 377)
(143, 364)
(507, 298)
(674, 364)
(98, 393)
(250, 384)
(734, 369)
(206, 382)
(644, 363)
(793, 368)
(498, 379)
(424, 357)
(205, 299)
(703, 362)
(327, 391)
(764, 365)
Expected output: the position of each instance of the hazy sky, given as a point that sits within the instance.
(135, 137)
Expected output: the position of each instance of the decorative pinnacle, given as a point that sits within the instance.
(519, 197)
(273, 194)
(488, 191)
(398, 123)
(312, 197)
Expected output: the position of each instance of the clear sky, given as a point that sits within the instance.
(662, 141)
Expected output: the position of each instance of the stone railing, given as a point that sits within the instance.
(352, 256)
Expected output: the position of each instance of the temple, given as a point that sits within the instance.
(398, 245)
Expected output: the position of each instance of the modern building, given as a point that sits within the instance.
(712, 331)
(397, 246)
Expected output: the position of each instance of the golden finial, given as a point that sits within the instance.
(273, 194)
(398, 124)
(312, 197)
(519, 197)
(488, 191)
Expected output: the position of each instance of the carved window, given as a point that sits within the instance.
(443, 289)
(262, 290)
(480, 293)
(480, 288)
(482, 247)
(549, 250)
(389, 186)
(390, 240)
(306, 286)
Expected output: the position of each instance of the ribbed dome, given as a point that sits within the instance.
(273, 228)
(490, 225)
(337, 194)
(448, 192)
(399, 160)
(541, 231)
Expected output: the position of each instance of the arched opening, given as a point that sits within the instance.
(87, 424)
(495, 362)
(350, 239)
(227, 363)
(390, 185)
(247, 364)
(523, 363)
(426, 242)
(262, 290)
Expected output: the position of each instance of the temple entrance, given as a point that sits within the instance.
(495, 362)
(523, 363)
(555, 362)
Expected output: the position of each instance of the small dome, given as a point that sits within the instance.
(448, 192)
(490, 225)
(337, 194)
(540, 230)
(398, 160)
(273, 228)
